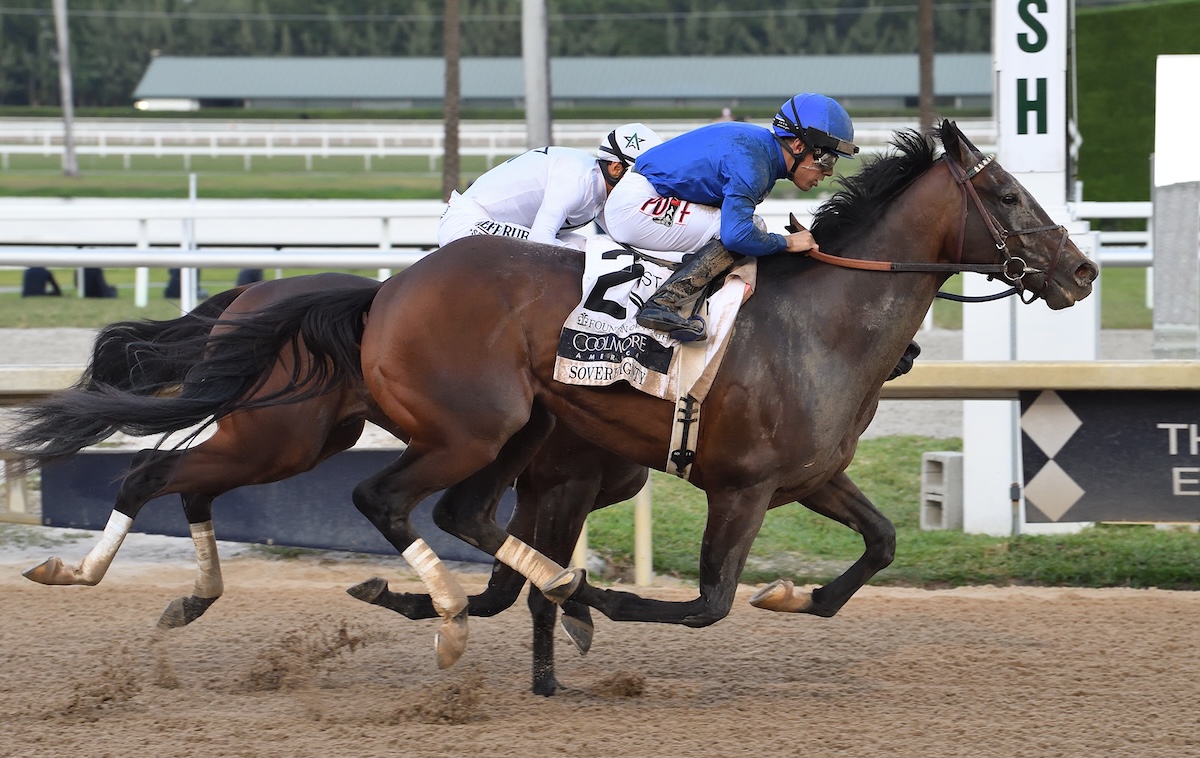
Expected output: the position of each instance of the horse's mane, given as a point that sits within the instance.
(864, 195)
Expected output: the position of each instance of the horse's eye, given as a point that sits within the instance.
(1009, 199)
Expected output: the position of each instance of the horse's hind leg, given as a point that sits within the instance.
(387, 499)
(459, 512)
(208, 585)
(262, 445)
(152, 471)
(841, 501)
(485, 487)
(149, 471)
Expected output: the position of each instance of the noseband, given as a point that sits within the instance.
(1013, 269)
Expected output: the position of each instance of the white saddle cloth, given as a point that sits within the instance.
(602, 344)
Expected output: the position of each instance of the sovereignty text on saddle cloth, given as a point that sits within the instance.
(602, 344)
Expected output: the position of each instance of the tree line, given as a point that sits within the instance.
(113, 41)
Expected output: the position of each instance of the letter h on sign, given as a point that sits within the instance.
(1025, 104)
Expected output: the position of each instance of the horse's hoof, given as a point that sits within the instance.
(184, 610)
(562, 586)
(49, 571)
(368, 591)
(773, 593)
(780, 595)
(580, 632)
(547, 688)
(173, 616)
(450, 641)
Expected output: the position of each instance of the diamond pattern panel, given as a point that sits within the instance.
(1052, 491)
(1049, 422)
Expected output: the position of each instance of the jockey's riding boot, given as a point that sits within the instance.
(906, 361)
(661, 311)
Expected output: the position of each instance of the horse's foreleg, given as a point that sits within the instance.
(841, 501)
(208, 585)
(734, 519)
(138, 488)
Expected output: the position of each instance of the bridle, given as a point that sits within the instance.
(1013, 269)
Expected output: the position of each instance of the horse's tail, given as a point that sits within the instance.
(148, 357)
(233, 365)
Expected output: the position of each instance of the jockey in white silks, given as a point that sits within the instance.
(545, 194)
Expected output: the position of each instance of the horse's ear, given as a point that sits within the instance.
(953, 141)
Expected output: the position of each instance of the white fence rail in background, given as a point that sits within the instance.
(310, 228)
(1121, 248)
(188, 139)
(216, 223)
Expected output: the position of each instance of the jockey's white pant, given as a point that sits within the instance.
(637, 215)
(464, 217)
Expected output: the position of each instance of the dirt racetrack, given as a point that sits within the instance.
(287, 664)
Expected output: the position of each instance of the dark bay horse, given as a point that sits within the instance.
(272, 443)
(799, 384)
(474, 394)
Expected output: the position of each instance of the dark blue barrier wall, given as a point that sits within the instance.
(310, 510)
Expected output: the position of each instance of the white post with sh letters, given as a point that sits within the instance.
(1030, 44)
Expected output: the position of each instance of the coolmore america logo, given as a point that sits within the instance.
(608, 358)
(610, 346)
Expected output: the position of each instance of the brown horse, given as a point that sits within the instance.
(474, 391)
(269, 444)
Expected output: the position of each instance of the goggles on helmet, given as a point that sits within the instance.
(818, 139)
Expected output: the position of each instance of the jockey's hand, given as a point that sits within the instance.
(801, 242)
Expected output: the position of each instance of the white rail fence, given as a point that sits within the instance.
(383, 235)
(368, 141)
(355, 234)
(248, 140)
(1132, 248)
(314, 233)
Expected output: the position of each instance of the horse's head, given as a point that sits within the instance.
(1004, 223)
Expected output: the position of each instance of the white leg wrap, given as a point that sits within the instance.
(208, 564)
(92, 568)
(447, 594)
(528, 562)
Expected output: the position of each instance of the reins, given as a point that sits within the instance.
(1012, 269)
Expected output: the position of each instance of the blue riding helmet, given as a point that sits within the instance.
(819, 121)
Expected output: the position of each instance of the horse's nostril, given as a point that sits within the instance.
(1086, 273)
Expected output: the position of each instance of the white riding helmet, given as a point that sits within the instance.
(625, 143)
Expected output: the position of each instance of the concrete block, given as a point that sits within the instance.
(941, 490)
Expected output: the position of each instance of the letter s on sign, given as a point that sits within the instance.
(1024, 41)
